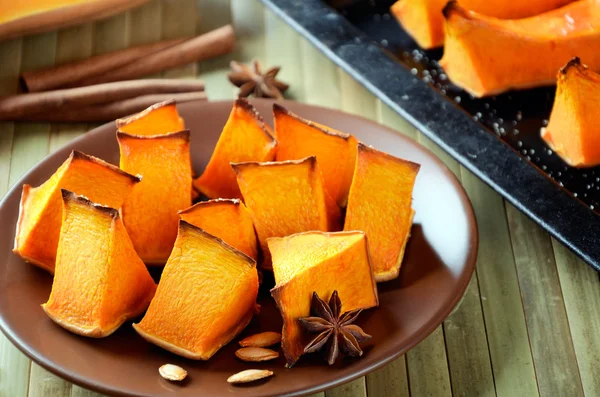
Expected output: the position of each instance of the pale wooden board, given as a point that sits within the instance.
(466, 344)
(30, 141)
(549, 334)
(30, 144)
(506, 329)
(464, 330)
(72, 44)
(77, 391)
(581, 294)
(350, 389)
(214, 14)
(389, 381)
(145, 23)
(248, 19)
(387, 117)
(39, 51)
(283, 47)
(14, 366)
(321, 78)
(179, 18)
(111, 34)
(427, 367)
(44, 384)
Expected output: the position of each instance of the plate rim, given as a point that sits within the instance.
(416, 338)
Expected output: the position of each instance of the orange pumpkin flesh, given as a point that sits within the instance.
(227, 219)
(424, 22)
(150, 211)
(298, 138)
(320, 262)
(245, 137)
(573, 131)
(38, 227)
(205, 297)
(384, 214)
(284, 198)
(487, 56)
(100, 282)
(159, 119)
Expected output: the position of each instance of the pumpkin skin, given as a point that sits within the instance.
(321, 262)
(227, 219)
(38, 227)
(245, 137)
(150, 211)
(298, 138)
(285, 197)
(100, 282)
(159, 119)
(572, 130)
(487, 56)
(385, 215)
(205, 297)
(424, 22)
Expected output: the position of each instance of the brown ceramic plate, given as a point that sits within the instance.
(439, 261)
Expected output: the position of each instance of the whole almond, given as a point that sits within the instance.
(264, 339)
(256, 354)
(249, 375)
(172, 372)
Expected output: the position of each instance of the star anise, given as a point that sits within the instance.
(335, 331)
(253, 81)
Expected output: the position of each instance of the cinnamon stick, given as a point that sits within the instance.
(111, 111)
(70, 73)
(216, 42)
(19, 106)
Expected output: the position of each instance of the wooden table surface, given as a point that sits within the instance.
(529, 323)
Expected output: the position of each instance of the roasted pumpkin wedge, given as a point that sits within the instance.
(205, 297)
(100, 281)
(298, 138)
(424, 22)
(159, 119)
(245, 137)
(227, 219)
(573, 131)
(487, 56)
(319, 262)
(379, 204)
(150, 211)
(38, 227)
(286, 197)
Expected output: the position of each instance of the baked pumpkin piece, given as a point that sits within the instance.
(298, 138)
(487, 56)
(38, 227)
(245, 137)
(379, 204)
(424, 22)
(573, 131)
(150, 211)
(285, 197)
(100, 282)
(159, 119)
(319, 262)
(205, 297)
(227, 219)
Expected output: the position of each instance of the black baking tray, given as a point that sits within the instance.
(496, 138)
